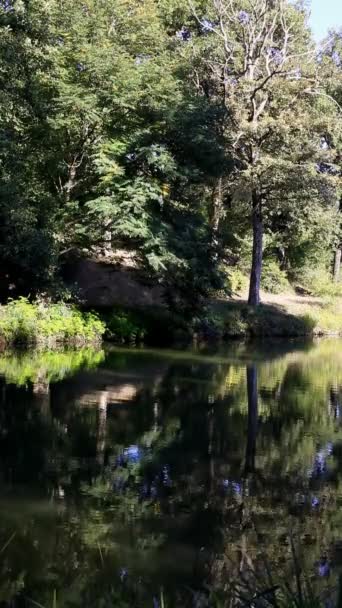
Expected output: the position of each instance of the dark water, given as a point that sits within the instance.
(129, 477)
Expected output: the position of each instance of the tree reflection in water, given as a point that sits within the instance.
(135, 470)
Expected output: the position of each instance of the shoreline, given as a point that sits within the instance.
(28, 325)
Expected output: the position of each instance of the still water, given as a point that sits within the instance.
(137, 477)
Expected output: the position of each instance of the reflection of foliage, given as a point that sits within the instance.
(130, 490)
(21, 367)
(173, 473)
(265, 585)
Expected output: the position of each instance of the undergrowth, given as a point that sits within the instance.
(25, 323)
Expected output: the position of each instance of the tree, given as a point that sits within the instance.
(330, 62)
(26, 205)
(104, 145)
(258, 61)
(166, 130)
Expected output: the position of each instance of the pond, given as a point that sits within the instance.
(136, 477)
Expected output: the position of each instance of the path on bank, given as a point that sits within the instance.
(287, 314)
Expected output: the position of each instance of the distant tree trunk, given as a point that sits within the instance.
(337, 264)
(216, 214)
(252, 428)
(217, 204)
(107, 248)
(258, 232)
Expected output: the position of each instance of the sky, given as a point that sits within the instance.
(325, 14)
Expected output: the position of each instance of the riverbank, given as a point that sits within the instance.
(286, 315)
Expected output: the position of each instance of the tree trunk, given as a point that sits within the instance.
(216, 212)
(217, 207)
(252, 428)
(258, 231)
(337, 264)
(107, 248)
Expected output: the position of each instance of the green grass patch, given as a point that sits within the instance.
(238, 320)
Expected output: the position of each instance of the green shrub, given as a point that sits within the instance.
(235, 325)
(155, 326)
(273, 279)
(238, 280)
(24, 322)
(124, 326)
(318, 281)
(309, 322)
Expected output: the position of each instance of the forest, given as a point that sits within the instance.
(200, 138)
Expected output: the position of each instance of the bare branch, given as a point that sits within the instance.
(323, 94)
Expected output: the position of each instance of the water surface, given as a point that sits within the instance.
(126, 471)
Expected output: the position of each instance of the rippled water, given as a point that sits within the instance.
(130, 471)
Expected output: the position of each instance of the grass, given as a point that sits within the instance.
(281, 315)
(238, 320)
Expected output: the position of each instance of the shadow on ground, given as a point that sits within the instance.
(238, 319)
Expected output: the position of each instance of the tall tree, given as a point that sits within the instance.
(330, 65)
(258, 60)
(104, 145)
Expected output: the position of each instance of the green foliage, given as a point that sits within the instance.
(318, 281)
(238, 281)
(273, 279)
(327, 317)
(231, 320)
(121, 128)
(152, 326)
(124, 326)
(113, 480)
(50, 366)
(24, 322)
(235, 325)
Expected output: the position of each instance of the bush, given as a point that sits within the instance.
(24, 322)
(274, 280)
(235, 325)
(123, 326)
(238, 280)
(153, 326)
(318, 281)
